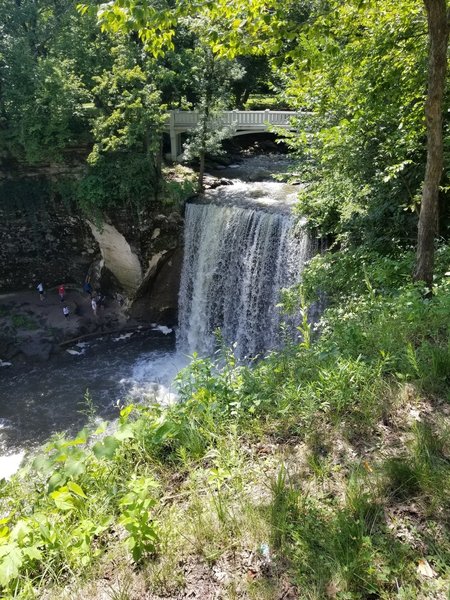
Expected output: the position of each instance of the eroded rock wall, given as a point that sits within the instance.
(155, 238)
(43, 241)
(134, 253)
(118, 257)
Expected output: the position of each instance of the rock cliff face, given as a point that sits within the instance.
(144, 255)
(135, 254)
(45, 241)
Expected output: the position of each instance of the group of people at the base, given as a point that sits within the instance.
(96, 299)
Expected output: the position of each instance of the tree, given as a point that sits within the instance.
(438, 31)
(127, 123)
(46, 64)
(211, 80)
(358, 68)
(218, 34)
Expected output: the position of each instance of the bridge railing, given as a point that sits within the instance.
(257, 117)
(239, 118)
(239, 122)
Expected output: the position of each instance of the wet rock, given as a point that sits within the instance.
(174, 219)
(210, 182)
(37, 349)
(8, 349)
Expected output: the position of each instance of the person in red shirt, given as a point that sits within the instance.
(61, 292)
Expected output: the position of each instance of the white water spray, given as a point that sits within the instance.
(236, 261)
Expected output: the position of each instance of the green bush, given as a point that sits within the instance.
(23, 322)
(266, 101)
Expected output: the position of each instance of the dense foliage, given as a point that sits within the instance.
(357, 71)
(365, 83)
(71, 96)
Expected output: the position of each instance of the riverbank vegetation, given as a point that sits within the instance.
(323, 470)
(82, 111)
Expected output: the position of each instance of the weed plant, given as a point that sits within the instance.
(209, 477)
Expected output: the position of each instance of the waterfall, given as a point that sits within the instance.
(236, 261)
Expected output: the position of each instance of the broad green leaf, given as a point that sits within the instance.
(32, 552)
(124, 432)
(76, 489)
(106, 448)
(56, 481)
(10, 563)
(63, 499)
(74, 467)
(20, 530)
(43, 464)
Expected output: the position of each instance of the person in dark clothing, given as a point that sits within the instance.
(87, 288)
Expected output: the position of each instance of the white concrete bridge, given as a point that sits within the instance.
(241, 122)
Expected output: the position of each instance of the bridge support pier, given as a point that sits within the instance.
(175, 139)
(175, 145)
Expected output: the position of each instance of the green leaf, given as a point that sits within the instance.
(55, 481)
(42, 463)
(63, 499)
(125, 412)
(20, 530)
(125, 432)
(76, 489)
(74, 467)
(107, 448)
(81, 438)
(101, 428)
(32, 552)
(10, 564)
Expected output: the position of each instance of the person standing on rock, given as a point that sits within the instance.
(94, 306)
(61, 292)
(66, 311)
(87, 287)
(40, 289)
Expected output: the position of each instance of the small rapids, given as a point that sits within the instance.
(46, 398)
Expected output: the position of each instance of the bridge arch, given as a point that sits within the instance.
(243, 122)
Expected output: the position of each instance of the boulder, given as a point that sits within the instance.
(35, 348)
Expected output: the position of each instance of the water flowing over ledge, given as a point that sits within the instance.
(236, 261)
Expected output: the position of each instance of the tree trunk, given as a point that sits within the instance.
(205, 118)
(437, 67)
(201, 171)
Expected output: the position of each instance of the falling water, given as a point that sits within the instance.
(236, 261)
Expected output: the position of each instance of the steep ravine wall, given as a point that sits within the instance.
(43, 241)
(137, 255)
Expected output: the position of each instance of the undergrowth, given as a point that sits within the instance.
(325, 467)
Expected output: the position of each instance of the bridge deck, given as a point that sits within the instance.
(242, 121)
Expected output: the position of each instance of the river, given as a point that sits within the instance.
(37, 401)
